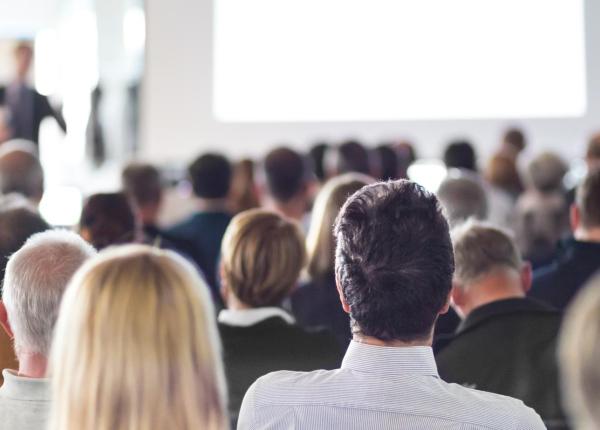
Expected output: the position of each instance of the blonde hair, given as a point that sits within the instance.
(136, 347)
(262, 257)
(579, 351)
(320, 241)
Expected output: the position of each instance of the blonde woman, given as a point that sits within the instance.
(136, 348)
(262, 256)
(317, 303)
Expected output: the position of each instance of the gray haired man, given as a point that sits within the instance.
(35, 279)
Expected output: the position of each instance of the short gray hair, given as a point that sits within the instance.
(579, 350)
(463, 196)
(20, 169)
(36, 277)
(480, 248)
(547, 171)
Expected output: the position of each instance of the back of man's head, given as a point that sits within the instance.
(211, 176)
(142, 184)
(20, 170)
(463, 196)
(592, 154)
(394, 260)
(588, 200)
(480, 250)
(546, 172)
(460, 154)
(514, 140)
(36, 277)
(351, 156)
(17, 224)
(285, 174)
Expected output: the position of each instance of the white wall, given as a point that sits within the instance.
(177, 119)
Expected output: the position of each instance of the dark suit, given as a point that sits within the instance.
(38, 108)
(268, 346)
(558, 283)
(508, 347)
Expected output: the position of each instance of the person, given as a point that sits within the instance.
(286, 183)
(558, 283)
(18, 221)
(21, 171)
(460, 154)
(503, 174)
(317, 154)
(592, 162)
(27, 107)
(210, 175)
(513, 143)
(388, 162)
(506, 343)
(136, 346)
(263, 254)
(350, 156)
(546, 173)
(463, 196)
(578, 352)
(407, 155)
(394, 266)
(243, 194)
(108, 219)
(36, 277)
(317, 303)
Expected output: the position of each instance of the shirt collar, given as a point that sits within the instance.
(248, 317)
(23, 388)
(393, 361)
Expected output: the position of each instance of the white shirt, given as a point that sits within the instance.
(378, 388)
(249, 317)
(24, 402)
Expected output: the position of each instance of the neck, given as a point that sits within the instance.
(212, 205)
(369, 340)
(32, 365)
(490, 289)
(587, 234)
(293, 209)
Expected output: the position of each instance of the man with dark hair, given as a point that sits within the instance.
(559, 282)
(394, 266)
(350, 156)
(286, 180)
(317, 156)
(513, 142)
(210, 175)
(460, 154)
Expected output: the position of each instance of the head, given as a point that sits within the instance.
(387, 161)
(210, 175)
(317, 156)
(350, 156)
(488, 267)
(585, 213)
(142, 184)
(592, 155)
(320, 240)
(20, 170)
(5, 131)
(136, 346)
(394, 262)
(501, 171)
(243, 194)
(463, 196)
(460, 154)
(108, 219)
(35, 280)
(262, 255)
(286, 177)
(17, 224)
(23, 58)
(513, 142)
(406, 156)
(546, 172)
(579, 351)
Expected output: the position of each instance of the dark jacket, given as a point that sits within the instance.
(41, 109)
(268, 346)
(317, 304)
(558, 283)
(508, 347)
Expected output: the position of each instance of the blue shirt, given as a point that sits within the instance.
(378, 388)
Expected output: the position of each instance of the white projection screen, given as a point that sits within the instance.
(387, 60)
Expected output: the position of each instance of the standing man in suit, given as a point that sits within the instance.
(25, 106)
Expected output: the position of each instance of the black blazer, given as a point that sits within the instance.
(41, 110)
(268, 346)
(508, 347)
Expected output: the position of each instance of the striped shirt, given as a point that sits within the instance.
(378, 388)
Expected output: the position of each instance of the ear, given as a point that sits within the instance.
(345, 304)
(446, 307)
(458, 298)
(4, 321)
(574, 217)
(526, 277)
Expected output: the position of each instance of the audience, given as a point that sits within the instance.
(579, 351)
(136, 347)
(287, 187)
(20, 170)
(558, 283)
(463, 196)
(317, 303)
(506, 343)
(243, 194)
(263, 255)
(394, 266)
(460, 154)
(108, 219)
(36, 277)
(211, 179)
